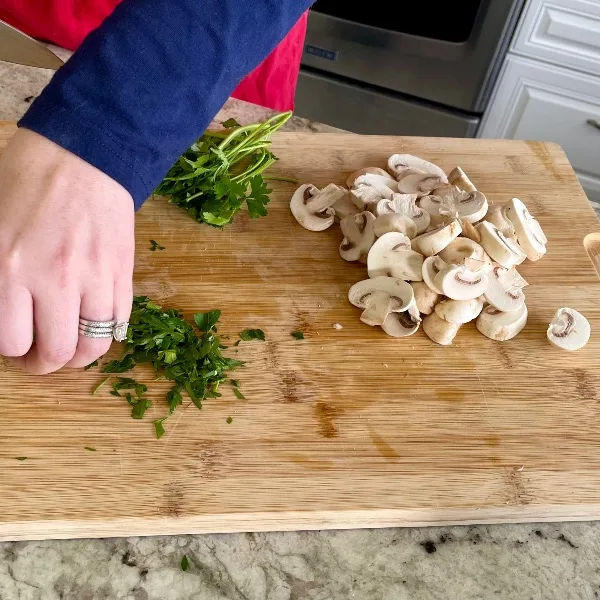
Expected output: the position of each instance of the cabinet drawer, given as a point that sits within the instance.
(535, 101)
(566, 32)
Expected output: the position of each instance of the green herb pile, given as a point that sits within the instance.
(191, 358)
(222, 171)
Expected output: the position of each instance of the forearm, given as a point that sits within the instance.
(145, 84)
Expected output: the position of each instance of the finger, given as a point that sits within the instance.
(123, 296)
(97, 304)
(55, 319)
(16, 320)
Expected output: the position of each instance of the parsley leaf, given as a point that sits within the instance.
(298, 335)
(230, 123)
(91, 365)
(90, 448)
(154, 246)
(185, 563)
(158, 427)
(229, 420)
(21, 458)
(252, 334)
(238, 394)
(119, 366)
(140, 406)
(235, 382)
(207, 321)
(259, 197)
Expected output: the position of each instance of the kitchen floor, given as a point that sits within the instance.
(530, 561)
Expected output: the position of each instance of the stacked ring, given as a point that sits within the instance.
(103, 329)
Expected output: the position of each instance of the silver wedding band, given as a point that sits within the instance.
(103, 329)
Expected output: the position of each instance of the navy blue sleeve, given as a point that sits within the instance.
(145, 84)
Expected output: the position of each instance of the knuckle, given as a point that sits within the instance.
(58, 355)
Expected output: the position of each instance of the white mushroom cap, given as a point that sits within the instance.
(529, 232)
(432, 242)
(460, 249)
(440, 331)
(459, 178)
(425, 297)
(450, 202)
(400, 324)
(406, 204)
(501, 326)
(504, 291)
(500, 248)
(459, 311)
(366, 171)
(311, 207)
(391, 255)
(496, 215)
(432, 265)
(379, 297)
(394, 222)
(460, 283)
(358, 235)
(399, 164)
(569, 329)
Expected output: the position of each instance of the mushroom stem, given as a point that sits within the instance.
(325, 198)
(378, 308)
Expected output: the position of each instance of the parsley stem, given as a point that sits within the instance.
(275, 178)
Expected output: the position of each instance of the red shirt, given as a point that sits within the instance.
(66, 22)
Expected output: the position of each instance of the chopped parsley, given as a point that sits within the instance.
(158, 427)
(235, 382)
(252, 334)
(298, 335)
(229, 420)
(90, 448)
(185, 563)
(154, 246)
(21, 458)
(238, 394)
(95, 390)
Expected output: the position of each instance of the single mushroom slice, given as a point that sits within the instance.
(459, 178)
(469, 231)
(432, 265)
(530, 234)
(460, 283)
(344, 207)
(312, 208)
(433, 242)
(391, 255)
(459, 311)
(496, 215)
(406, 204)
(358, 236)
(461, 249)
(394, 222)
(425, 297)
(569, 329)
(504, 291)
(379, 297)
(450, 202)
(440, 331)
(401, 324)
(369, 189)
(367, 171)
(418, 182)
(503, 250)
(501, 326)
(401, 164)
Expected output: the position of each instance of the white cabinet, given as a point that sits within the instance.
(534, 98)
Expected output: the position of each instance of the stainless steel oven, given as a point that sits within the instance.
(403, 68)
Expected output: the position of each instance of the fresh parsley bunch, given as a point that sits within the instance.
(221, 171)
(191, 358)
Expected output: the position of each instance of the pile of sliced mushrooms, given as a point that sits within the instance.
(436, 252)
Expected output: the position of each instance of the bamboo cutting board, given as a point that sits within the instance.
(347, 428)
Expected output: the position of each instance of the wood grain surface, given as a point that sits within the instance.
(347, 428)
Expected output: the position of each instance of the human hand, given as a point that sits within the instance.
(66, 250)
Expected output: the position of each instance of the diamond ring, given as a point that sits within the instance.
(103, 329)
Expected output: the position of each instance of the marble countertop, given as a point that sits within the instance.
(505, 562)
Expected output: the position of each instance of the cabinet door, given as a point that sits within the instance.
(535, 101)
(565, 32)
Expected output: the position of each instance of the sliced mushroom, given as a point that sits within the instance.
(460, 249)
(394, 222)
(311, 207)
(358, 235)
(400, 164)
(432, 242)
(450, 202)
(469, 231)
(440, 331)
(431, 267)
(530, 234)
(380, 296)
(496, 215)
(420, 183)
(504, 291)
(406, 204)
(501, 326)
(344, 207)
(459, 311)
(366, 171)
(459, 178)
(569, 329)
(391, 255)
(460, 283)
(425, 297)
(503, 250)
(369, 189)
(401, 324)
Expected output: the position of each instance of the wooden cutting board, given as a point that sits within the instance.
(347, 428)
